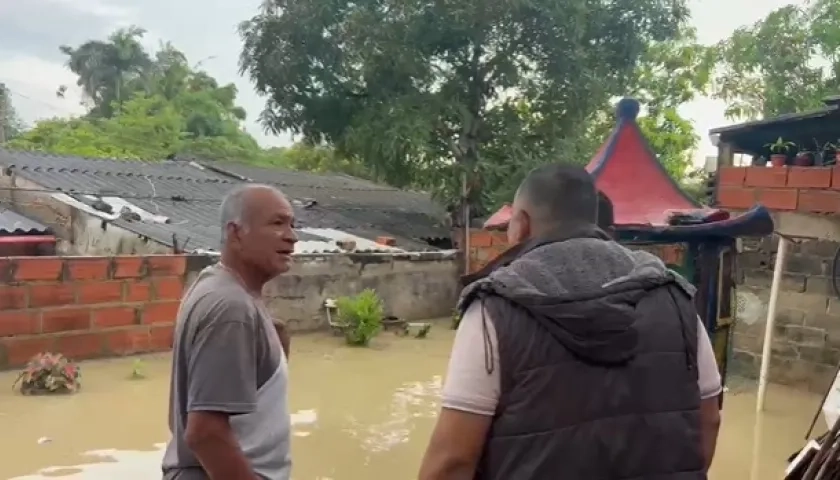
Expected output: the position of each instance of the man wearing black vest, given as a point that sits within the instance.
(576, 358)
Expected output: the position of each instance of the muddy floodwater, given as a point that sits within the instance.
(358, 413)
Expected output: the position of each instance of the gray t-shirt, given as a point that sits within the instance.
(225, 349)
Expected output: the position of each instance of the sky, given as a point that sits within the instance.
(32, 67)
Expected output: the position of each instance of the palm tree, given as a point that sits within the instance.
(105, 69)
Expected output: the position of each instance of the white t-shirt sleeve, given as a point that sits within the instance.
(468, 386)
(708, 374)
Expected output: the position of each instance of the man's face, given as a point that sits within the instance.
(266, 239)
(519, 228)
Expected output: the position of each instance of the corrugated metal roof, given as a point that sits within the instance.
(12, 223)
(187, 195)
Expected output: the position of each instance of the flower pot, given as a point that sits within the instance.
(804, 159)
(778, 159)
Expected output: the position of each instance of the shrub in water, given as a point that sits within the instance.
(49, 373)
(362, 317)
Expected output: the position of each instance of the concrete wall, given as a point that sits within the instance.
(806, 343)
(88, 307)
(412, 286)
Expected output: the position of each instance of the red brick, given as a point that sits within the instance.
(766, 177)
(128, 267)
(18, 351)
(127, 341)
(51, 295)
(732, 176)
(12, 298)
(81, 268)
(37, 268)
(809, 177)
(735, 197)
(819, 201)
(162, 337)
(481, 238)
(79, 346)
(500, 239)
(93, 293)
(778, 198)
(835, 178)
(160, 312)
(166, 265)
(65, 320)
(114, 317)
(136, 291)
(168, 288)
(18, 323)
(387, 241)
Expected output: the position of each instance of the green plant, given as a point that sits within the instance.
(780, 146)
(423, 332)
(362, 317)
(138, 369)
(49, 373)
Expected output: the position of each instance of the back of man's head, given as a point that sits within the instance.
(556, 195)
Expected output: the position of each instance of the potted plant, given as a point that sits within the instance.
(829, 154)
(778, 150)
(759, 161)
(804, 158)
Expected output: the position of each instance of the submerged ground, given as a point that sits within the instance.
(358, 414)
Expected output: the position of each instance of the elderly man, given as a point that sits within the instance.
(576, 358)
(228, 410)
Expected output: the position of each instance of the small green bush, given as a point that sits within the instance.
(362, 317)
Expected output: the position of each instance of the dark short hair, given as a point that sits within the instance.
(606, 218)
(561, 194)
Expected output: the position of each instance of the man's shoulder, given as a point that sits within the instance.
(214, 297)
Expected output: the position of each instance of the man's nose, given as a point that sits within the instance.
(291, 236)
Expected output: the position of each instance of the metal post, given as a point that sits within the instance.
(770, 324)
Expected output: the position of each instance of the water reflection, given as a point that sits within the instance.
(372, 410)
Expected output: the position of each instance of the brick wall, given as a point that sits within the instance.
(806, 342)
(486, 245)
(802, 189)
(87, 307)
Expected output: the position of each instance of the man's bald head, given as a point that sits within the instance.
(553, 196)
(238, 204)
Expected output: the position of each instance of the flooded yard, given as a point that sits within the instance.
(358, 414)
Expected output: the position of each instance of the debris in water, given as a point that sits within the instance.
(44, 440)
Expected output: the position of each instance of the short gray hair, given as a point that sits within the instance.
(234, 207)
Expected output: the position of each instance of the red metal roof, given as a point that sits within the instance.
(628, 172)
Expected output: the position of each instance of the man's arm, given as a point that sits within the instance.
(470, 396)
(285, 338)
(710, 390)
(221, 382)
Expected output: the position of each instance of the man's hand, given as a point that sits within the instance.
(456, 446)
(709, 427)
(285, 338)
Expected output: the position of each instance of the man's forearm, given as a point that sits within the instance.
(285, 338)
(709, 428)
(447, 469)
(222, 458)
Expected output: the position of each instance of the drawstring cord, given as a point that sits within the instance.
(488, 344)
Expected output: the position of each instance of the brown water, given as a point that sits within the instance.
(358, 414)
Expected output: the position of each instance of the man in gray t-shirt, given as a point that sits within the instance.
(228, 410)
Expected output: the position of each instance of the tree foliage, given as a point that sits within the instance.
(10, 122)
(429, 91)
(786, 62)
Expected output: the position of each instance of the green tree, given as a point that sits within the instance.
(107, 69)
(10, 122)
(786, 62)
(427, 92)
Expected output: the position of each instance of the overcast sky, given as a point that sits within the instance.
(32, 67)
